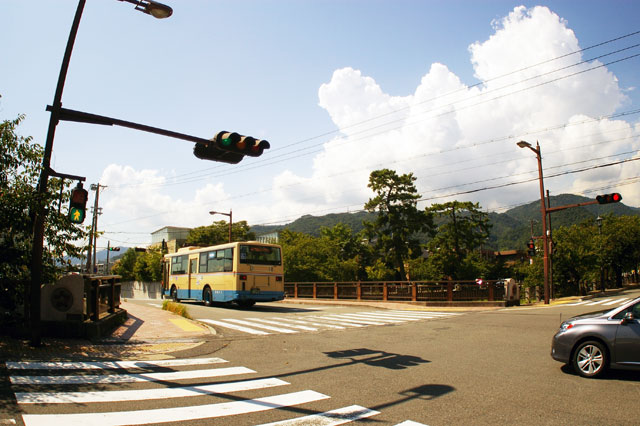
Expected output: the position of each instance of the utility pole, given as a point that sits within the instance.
(94, 229)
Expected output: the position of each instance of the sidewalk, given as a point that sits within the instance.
(149, 333)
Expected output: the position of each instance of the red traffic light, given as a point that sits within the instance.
(609, 198)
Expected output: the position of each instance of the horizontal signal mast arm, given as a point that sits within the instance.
(84, 117)
(569, 206)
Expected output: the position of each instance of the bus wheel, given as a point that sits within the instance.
(246, 303)
(174, 294)
(206, 296)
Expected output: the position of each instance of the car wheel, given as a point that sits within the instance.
(590, 359)
(206, 296)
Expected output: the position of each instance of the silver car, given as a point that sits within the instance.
(593, 342)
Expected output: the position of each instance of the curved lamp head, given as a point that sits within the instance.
(151, 7)
(523, 144)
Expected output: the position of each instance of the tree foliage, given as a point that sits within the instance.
(20, 164)
(398, 223)
(218, 233)
(462, 231)
(139, 266)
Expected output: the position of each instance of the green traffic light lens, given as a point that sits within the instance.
(226, 141)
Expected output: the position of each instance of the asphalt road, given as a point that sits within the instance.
(481, 368)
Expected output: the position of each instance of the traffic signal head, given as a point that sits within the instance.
(78, 204)
(531, 246)
(609, 198)
(114, 248)
(230, 147)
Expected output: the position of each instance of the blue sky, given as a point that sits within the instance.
(339, 88)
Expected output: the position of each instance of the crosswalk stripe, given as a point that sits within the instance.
(144, 394)
(339, 321)
(410, 423)
(177, 414)
(312, 323)
(345, 317)
(128, 378)
(103, 365)
(276, 322)
(266, 327)
(617, 301)
(577, 303)
(376, 318)
(425, 314)
(233, 326)
(329, 418)
(599, 302)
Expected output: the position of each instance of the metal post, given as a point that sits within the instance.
(38, 224)
(543, 212)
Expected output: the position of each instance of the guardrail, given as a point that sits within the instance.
(414, 291)
(102, 295)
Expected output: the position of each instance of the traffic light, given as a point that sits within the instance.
(114, 248)
(531, 246)
(230, 147)
(609, 198)
(78, 204)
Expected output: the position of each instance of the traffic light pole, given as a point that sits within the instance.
(38, 223)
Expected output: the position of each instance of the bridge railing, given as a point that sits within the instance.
(415, 291)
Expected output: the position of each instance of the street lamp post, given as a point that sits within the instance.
(150, 7)
(230, 219)
(543, 211)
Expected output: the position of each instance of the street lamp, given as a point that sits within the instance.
(543, 211)
(230, 219)
(151, 7)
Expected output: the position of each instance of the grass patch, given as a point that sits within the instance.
(176, 308)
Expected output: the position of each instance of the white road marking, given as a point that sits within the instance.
(276, 322)
(576, 303)
(28, 365)
(311, 323)
(177, 414)
(345, 317)
(233, 326)
(599, 302)
(339, 321)
(380, 318)
(329, 418)
(410, 423)
(617, 301)
(128, 378)
(266, 327)
(143, 394)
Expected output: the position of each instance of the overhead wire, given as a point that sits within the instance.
(249, 167)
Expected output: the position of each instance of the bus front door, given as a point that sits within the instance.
(193, 264)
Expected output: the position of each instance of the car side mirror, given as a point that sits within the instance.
(628, 317)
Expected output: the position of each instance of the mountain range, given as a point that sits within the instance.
(510, 230)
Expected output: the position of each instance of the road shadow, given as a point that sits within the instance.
(127, 330)
(378, 358)
(623, 375)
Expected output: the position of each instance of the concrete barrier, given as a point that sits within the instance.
(141, 290)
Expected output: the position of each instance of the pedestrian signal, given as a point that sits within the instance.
(609, 198)
(78, 204)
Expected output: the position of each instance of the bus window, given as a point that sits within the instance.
(217, 261)
(179, 265)
(260, 255)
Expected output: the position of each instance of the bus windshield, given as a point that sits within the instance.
(260, 255)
